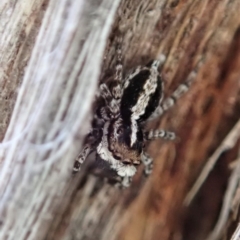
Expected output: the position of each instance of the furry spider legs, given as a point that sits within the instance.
(125, 104)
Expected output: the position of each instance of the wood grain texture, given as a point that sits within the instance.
(39, 197)
(20, 22)
(51, 113)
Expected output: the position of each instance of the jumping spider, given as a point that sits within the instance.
(124, 107)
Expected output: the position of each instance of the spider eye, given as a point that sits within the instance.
(127, 162)
(117, 157)
(136, 163)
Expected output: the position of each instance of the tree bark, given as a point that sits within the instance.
(72, 46)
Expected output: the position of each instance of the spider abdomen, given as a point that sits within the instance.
(142, 94)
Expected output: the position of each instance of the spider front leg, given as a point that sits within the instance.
(90, 143)
(82, 157)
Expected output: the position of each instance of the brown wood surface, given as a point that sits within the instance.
(201, 37)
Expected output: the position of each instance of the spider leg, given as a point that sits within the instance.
(155, 64)
(91, 141)
(105, 92)
(170, 101)
(103, 114)
(160, 133)
(112, 104)
(112, 92)
(82, 157)
(117, 88)
(148, 163)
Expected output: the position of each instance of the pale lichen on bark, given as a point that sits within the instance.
(50, 115)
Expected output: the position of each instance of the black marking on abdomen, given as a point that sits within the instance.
(132, 92)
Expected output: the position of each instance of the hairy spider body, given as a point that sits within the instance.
(142, 93)
(124, 105)
(123, 139)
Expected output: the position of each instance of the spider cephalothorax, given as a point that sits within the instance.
(125, 104)
(115, 147)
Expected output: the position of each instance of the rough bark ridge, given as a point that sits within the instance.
(39, 198)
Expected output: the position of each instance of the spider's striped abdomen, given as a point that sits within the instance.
(142, 94)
